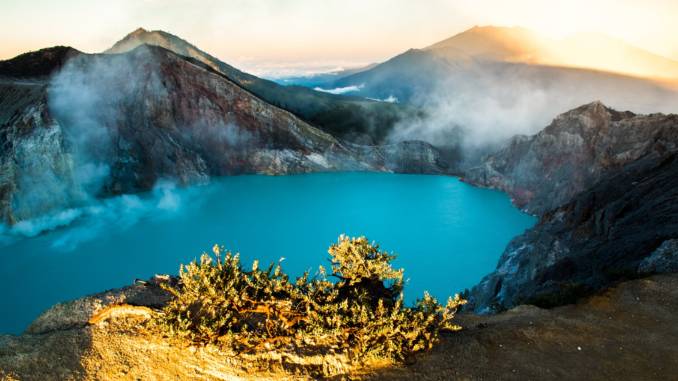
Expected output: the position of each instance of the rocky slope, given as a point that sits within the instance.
(606, 187)
(39, 64)
(624, 227)
(111, 124)
(626, 333)
(351, 118)
(25, 125)
(578, 149)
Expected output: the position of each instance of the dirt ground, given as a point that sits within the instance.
(627, 333)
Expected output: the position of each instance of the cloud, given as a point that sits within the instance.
(341, 90)
(279, 70)
(477, 111)
(485, 104)
(390, 99)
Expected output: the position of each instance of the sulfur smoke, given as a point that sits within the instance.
(482, 105)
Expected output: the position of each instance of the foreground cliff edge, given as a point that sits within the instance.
(349, 317)
(626, 333)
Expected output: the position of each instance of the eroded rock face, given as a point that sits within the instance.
(35, 167)
(404, 157)
(112, 124)
(578, 149)
(605, 186)
(623, 227)
(662, 260)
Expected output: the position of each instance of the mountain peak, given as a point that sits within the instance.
(497, 29)
(168, 41)
(141, 36)
(138, 32)
(595, 107)
(597, 111)
(588, 50)
(490, 42)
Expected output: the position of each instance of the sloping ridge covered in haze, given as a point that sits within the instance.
(497, 81)
(351, 118)
(484, 50)
(491, 43)
(594, 51)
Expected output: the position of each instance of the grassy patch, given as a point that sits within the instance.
(356, 309)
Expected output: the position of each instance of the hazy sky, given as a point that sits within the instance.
(260, 34)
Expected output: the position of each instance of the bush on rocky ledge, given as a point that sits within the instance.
(361, 313)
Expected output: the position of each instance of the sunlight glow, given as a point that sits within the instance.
(253, 33)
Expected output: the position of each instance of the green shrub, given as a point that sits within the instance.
(361, 313)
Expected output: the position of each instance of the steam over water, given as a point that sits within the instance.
(447, 234)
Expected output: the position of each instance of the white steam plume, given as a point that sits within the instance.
(88, 222)
(488, 103)
(341, 90)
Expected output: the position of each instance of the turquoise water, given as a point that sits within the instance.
(447, 234)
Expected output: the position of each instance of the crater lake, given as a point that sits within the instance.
(446, 234)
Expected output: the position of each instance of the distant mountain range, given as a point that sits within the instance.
(322, 80)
